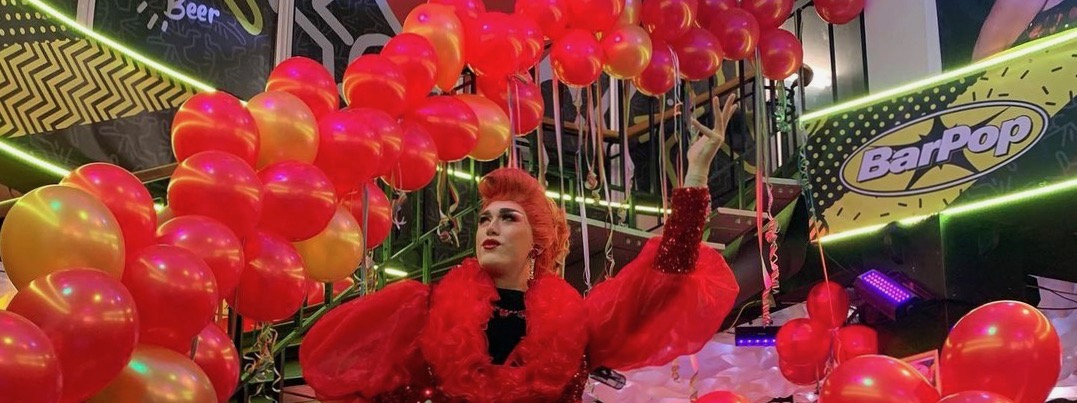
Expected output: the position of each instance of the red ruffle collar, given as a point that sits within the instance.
(542, 365)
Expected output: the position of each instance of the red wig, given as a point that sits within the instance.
(548, 225)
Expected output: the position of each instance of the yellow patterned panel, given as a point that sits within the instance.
(47, 86)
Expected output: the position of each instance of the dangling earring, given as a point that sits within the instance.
(531, 262)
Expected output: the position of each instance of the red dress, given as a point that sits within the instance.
(413, 342)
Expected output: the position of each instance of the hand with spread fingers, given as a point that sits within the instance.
(702, 151)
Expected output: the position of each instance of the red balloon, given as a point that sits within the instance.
(417, 59)
(374, 81)
(577, 58)
(803, 342)
(1004, 347)
(594, 15)
(854, 341)
(219, 186)
(489, 46)
(660, 76)
(316, 290)
(709, 9)
(781, 54)
(769, 13)
(308, 81)
(698, 53)
(877, 379)
(829, 304)
(417, 163)
(464, 9)
(29, 369)
(175, 293)
(529, 34)
(272, 286)
(628, 51)
(550, 15)
(451, 123)
(387, 131)
(722, 396)
(216, 355)
(802, 374)
(975, 396)
(379, 216)
(299, 200)
(668, 19)
(214, 121)
(125, 198)
(349, 151)
(211, 241)
(839, 11)
(737, 31)
(527, 107)
(90, 319)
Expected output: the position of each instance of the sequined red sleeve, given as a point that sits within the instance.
(368, 346)
(667, 302)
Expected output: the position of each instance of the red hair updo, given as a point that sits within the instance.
(548, 226)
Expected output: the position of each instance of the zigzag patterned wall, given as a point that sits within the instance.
(51, 85)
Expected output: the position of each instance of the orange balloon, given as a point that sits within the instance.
(157, 374)
(494, 134)
(630, 15)
(334, 253)
(439, 25)
(58, 227)
(287, 129)
(628, 51)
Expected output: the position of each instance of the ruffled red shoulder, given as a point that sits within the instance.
(644, 317)
(368, 346)
(539, 369)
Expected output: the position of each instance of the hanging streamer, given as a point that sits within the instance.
(581, 140)
(557, 128)
(261, 367)
(448, 230)
(543, 156)
(600, 156)
(514, 113)
(761, 167)
(663, 157)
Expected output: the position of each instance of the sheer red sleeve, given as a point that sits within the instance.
(667, 302)
(368, 346)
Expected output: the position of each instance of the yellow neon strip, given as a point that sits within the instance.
(1009, 55)
(41, 5)
(33, 160)
(962, 209)
(395, 272)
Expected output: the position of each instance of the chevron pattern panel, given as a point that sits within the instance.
(55, 84)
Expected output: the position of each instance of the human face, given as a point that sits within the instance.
(503, 240)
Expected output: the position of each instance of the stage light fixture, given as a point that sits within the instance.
(884, 293)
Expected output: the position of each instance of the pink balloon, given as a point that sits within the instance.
(220, 186)
(668, 19)
(307, 80)
(29, 369)
(699, 54)
(769, 13)
(1004, 347)
(216, 355)
(272, 286)
(659, 77)
(594, 15)
(126, 198)
(550, 15)
(709, 9)
(527, 107)
(451, 123)
(175, 293)
(299, 200)
(417, 59)
(374, 81)
(828, 303)
(854, 341)
(418, 162)
(211, 241)
(214, 121)
(92, 323)
(387, 131)
(577, 58)
(876, 379)
(803, 342)
(349, 151)
(722, 396)
(489, 46)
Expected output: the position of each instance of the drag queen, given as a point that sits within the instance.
(503, 327)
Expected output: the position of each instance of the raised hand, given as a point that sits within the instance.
(703, 149)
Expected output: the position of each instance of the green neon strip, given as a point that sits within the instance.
(1012, 198)
(395, 272)
(1015, 53)
(964, 209)
(30, 159)
(116, 45)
